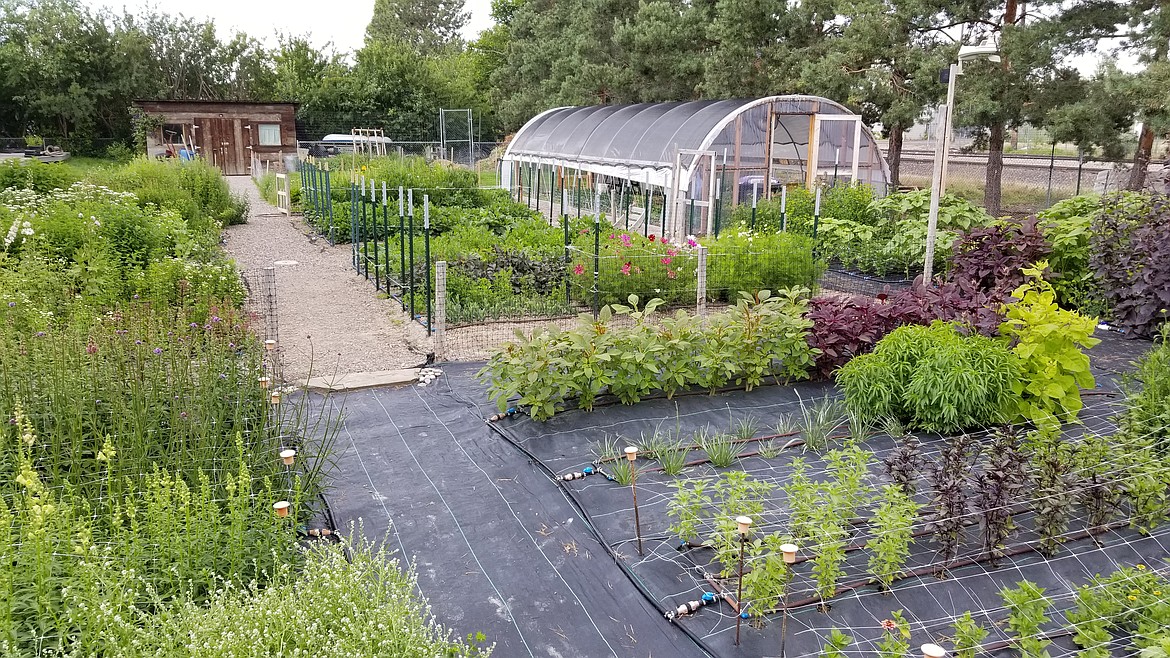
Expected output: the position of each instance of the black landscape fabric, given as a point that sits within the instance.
(504, 549)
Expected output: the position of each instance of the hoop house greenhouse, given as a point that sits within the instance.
(702, 155)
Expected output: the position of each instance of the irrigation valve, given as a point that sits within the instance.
(789, 551)
(745, 525)
(288, 456)
(933, 651)
(281, 508)
(577, 475)
(691, 606)
(632, 453)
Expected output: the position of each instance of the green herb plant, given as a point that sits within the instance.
(968, 636)
(893, 527)
(1027, 606)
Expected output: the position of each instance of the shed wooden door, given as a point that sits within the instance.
(221, 145)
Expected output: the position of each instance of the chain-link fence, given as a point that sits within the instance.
(1030, 183)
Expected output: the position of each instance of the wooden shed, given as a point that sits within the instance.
(225, 133)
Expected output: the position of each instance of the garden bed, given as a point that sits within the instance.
(929, 601)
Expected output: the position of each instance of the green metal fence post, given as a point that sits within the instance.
(353, 194)
(755, 199)
(626, 201)
(427, 256)
(646, 210)
(411, 229)
(816, 221)
(565, 223)
(538, 170)
(329, 205)
(596, 266)
(385, 237)
(784, 208)
(718, 204)
(402, 247)
(691, 218)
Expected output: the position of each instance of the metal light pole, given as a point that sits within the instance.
(744, 524)
(943, 145)
(631, 455)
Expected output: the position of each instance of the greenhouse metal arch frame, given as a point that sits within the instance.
(696, 154)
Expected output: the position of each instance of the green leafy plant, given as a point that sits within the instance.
(1048, 342)
(819, 421)
(893, 526)
(933, 377)
(673, 458)
(830, 555)
(1099, 488)
(721, 448)
(895, 640)
(1133, 600)
(1027, 606)
(688, 509)
(836, 645)
(968, 636)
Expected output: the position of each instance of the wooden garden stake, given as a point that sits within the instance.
(631, 455)
(789, 553)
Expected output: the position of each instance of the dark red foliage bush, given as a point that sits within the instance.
(991, 258)
(846, 326)
(1130, 257)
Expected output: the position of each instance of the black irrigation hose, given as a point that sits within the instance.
(572, 497)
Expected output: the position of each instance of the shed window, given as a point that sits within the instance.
(270, 134)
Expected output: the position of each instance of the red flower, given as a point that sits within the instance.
(650, 237)
(91, 348)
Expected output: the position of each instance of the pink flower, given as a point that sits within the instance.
(666, 260)
(692, 243)
(889, 625)
(578, 269)
(671, 251)
(626, 268)
(612, 236)
(670, 274)
(91, 348)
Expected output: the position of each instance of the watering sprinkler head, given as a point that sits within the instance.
(933, 651)
(263, 383)
(288, 456)
(270, 344)
(632, 453)
(789, 552)
(281, 508)
(275, 398)
(744, 523)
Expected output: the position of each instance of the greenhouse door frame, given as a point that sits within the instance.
(673, 228)
(814, 145)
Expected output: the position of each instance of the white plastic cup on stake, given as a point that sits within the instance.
(933, 651)
(789, 553)
(744, 524)
(288, 456)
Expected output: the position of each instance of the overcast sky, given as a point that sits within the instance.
(342, 22)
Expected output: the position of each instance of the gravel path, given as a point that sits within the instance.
(330, 319)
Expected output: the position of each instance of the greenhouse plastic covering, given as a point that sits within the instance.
(640, 142)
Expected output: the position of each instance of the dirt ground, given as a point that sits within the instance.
(330, 319)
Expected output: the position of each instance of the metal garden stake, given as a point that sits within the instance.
(744, 524)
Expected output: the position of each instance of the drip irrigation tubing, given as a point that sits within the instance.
(588, 521)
